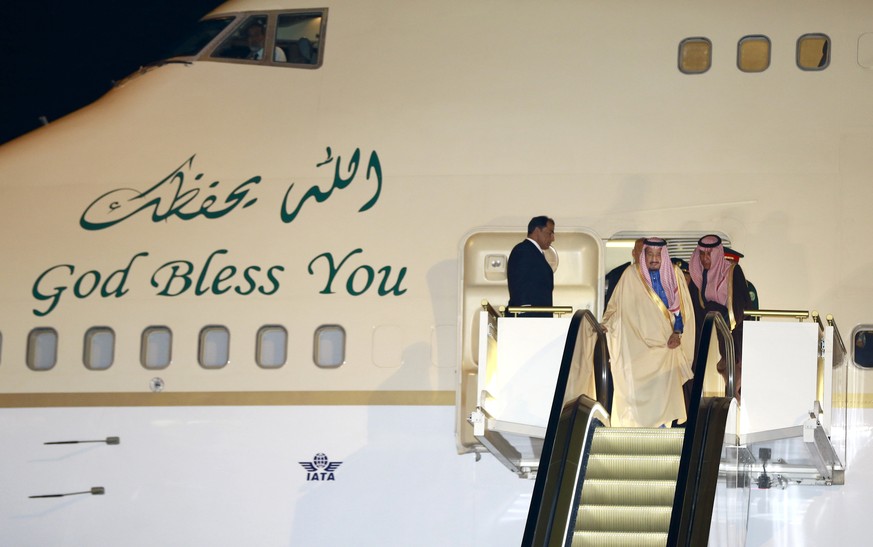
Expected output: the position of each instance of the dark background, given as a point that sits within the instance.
(56, 56)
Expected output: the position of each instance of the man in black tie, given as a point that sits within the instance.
(529, 275)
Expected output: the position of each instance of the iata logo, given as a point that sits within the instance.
(320, 468)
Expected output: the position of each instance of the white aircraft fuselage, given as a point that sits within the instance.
(295, 232)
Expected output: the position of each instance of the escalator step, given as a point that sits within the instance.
(618, 492)
(637, 441)
(612, 518)
(618, 539)
(632, 467)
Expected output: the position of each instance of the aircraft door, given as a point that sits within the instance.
(576, 257)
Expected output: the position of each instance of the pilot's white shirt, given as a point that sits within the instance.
(278, 55)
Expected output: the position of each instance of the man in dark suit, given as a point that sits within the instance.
(529, 275)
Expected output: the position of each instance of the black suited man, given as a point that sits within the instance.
(529, 275)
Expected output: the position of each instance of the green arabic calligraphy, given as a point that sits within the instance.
(170, 197)
(339, 183)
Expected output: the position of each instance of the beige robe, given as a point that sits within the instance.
(647, 375)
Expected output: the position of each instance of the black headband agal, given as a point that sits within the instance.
(654, 242)
(709, 245)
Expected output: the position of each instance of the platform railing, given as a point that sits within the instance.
(516, 310)
(800, 315)
(839, 393)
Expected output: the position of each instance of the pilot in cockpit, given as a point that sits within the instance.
(256, 38)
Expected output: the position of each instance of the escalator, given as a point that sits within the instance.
(604, 486)
(630, 482)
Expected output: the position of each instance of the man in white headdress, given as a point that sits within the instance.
(650, 333)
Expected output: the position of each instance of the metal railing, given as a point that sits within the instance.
(800, 315)
(515, 310)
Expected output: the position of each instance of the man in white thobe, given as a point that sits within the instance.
(650, 333)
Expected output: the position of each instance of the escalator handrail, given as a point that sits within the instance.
(540, 518)
(713, 320)
(694, 516)
(602, 376)
(697, 431)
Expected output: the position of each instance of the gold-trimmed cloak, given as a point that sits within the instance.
(647, 375)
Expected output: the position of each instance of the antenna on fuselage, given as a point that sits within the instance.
(94, 491)
(107, 440)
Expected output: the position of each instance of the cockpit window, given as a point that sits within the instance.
(248, 42)
(203, 33)
(289, 38)
(299, 35)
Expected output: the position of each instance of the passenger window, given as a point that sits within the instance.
(330, 346)
(299, 36)
(99, 348)
(272, 346)
(695, 55)
(42, 349)
(753, 54)
(214, 347)
(862, 347)
(156, 348)
(865, 50)
(813, 52)
(248, 42)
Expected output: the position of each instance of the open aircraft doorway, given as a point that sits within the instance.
(577, 255)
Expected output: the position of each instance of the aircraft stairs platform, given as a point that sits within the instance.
(603, 486)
